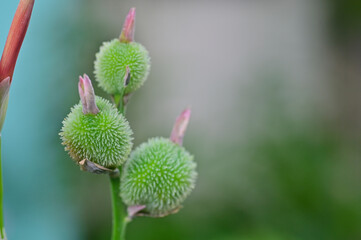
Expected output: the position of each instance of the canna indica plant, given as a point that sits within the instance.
(95, 130)
(160, 173)
(122, 59)
(152, 180)
(8, 60)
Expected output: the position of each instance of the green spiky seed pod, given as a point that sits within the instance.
(103, 138)
(160, 175)
(111, 65)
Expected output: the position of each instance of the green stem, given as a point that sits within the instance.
(118, 100)
(119, 217)
(125, 223)
(2, 229)
(121, 106)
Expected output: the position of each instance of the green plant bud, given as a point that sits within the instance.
(111, 66)
(103, 138)
(160, 175)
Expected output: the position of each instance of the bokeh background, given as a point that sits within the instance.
(275, 89)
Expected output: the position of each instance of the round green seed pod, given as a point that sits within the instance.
(104, 138)
(160, 175)
(111, 66)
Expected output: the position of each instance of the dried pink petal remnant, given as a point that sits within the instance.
(133, 210)
(180, 127)
(127, 34)
(87, 95)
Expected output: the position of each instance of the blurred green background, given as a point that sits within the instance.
(276, 127)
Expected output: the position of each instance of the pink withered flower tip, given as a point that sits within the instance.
(87, 95)
(180, 127)
(127, 34)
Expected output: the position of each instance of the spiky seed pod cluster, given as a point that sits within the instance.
(104, 138)
(159, 174)
(111, 65)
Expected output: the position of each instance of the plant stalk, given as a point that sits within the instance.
(2, 229)
(120, 219)
(120, 103)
